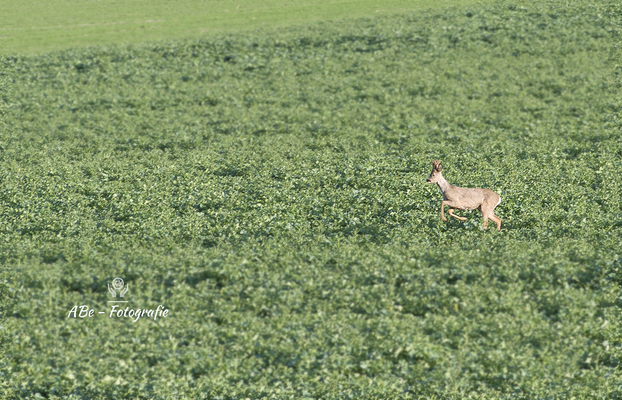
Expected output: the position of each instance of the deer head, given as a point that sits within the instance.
(436, 174)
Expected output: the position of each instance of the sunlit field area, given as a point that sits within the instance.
(267, 189)
(44, 25)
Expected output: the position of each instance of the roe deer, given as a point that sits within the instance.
(465, 198)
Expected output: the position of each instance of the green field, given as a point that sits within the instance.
(267, 187)
(45, 25)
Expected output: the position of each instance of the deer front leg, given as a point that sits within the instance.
(451, 212)
(443, 203)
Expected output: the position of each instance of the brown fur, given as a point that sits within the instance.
(456, 197)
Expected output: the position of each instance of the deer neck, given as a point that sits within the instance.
(443, 184)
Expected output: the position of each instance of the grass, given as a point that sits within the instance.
(46, 25)
(269, 190)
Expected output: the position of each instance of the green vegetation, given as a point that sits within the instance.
(269, 190)
(46, 25)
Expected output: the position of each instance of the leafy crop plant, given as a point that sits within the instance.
(268, 190)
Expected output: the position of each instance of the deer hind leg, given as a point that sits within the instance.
(451, 212)
(485, 215)
(497, 220)
(488, 213)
